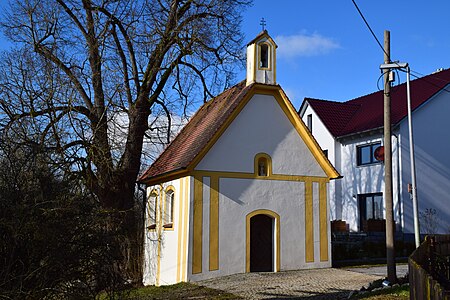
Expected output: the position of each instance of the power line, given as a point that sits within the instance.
(370, 29)
(382, 48)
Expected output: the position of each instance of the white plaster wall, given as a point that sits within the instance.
(363, 179)
(261, 126)
(239, 197)
(168, 245)
(250, 62)
(320, 133)
(431, 125)
(327, 142)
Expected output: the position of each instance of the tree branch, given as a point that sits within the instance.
(128, 42)
(206, 93)
(169, 118)
(42, 50)
(73, 17)
(124, 65)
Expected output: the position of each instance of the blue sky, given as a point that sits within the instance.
(325, 50)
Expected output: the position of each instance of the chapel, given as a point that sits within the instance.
(242, 187)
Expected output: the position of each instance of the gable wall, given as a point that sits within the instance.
(261, 126)
(327, 142)
(320, 133)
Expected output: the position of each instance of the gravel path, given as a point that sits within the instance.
(302, 284)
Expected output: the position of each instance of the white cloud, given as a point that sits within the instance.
(304, 45)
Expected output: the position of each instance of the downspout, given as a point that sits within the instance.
(142, 230)
(399, 199)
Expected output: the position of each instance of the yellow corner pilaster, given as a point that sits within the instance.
(197, 226)
(323, 221)
(214, 224)
(309, 223)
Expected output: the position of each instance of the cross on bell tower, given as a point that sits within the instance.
(263, 24)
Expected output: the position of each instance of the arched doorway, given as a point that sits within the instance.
(263, 241)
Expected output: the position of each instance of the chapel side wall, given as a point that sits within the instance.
(432, 147)
(165, 248)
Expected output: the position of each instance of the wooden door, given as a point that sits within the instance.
(261, 244)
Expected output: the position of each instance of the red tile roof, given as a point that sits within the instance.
(366, 112)
(197, 133)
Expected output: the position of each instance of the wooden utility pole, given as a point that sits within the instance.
(390, 251)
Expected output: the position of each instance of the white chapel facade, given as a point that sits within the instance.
(242, 188)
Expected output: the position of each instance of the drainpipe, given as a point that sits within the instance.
(399, 199)
(142, 229)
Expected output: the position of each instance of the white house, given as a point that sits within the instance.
(350, 132)
(242, 188)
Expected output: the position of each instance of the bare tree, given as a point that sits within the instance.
(80, 66)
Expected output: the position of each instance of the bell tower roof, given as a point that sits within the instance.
(262, 34)
(261, 59)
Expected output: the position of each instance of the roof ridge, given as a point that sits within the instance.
(335, 102)
(317, 99)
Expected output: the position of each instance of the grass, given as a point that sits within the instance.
(401, 292)
(192, 291)
(178, 291)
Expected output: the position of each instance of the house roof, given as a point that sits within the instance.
(196, 134)
(366, 112)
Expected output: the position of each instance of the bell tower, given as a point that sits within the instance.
(261, 59)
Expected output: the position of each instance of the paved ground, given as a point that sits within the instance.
(303, 284)
(402, 270)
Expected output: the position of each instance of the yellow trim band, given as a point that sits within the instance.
(197, 226)
(276, 232)
(214, 224)
(243, 175)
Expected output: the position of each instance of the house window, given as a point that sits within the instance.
(264, 53)
(309, 122)
(365, 154)
(370, 208)
(168, 208)
(152, 209)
